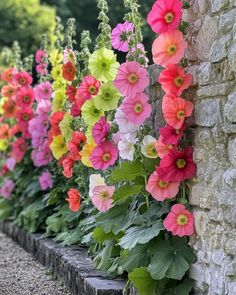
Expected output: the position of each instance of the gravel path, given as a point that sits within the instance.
(20, 274)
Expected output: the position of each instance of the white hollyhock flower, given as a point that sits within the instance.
(94, 180)
(124, 125)
(126, 147)
(148, 147)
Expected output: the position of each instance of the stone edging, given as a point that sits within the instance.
(71, 263)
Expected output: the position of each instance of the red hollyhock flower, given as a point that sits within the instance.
(177, 165)
(170, 135)
(75, 145)
(55, 120)
(25, 97)
(71, 92)
(68, 71)
(24, 116)
(23, 78)
(68, 164)
(4, 170)
(88, 87)
(19, 148)
(73, 199)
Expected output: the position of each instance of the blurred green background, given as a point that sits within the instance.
(26, 20)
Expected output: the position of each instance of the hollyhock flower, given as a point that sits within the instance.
(7, 188)
(86, 153)
(25, 97)
(8, 75)
(4, 131)
(75, 145)
(127, 148)
(41, 69)
(71, 92)
(161, 190)
(100, 130)
(104, 155)
(75, 110)
(56, 73)
(68, 71)
(8, 91)
(169, 48)
(176, 110)
(55, 57)
(14, 130)
(24, 116)
(9, 108)
(10, 163)
(42, 156)
(171, 135)
(95, 180)
(73, 199)
(137, 109)
(177, 165)
(23, 78)
(45, 180)
(179, 221)
(174, 80)
(65, 126)
(148, 147)
(165, 15)
(3, 145)
(124, 125)
(3, 170)
(68, 164)
(120, 36)
(55, 120)
(103, 65)
(116, 137)
(161, 148)
(58, 100)
(107, 98)
(90, 113)
(58, 146)
(43, 107)
(19, 148)
(102, 197)
(43, 91)
(131, 79)
(68, 56)
(40, 56)
(88, 87)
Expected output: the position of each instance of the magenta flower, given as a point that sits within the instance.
(43, 91)
(137, 109)
(7, 188)
(100, 130)
(131, 79)
(45, 180)
(120, 36)
(40, 56)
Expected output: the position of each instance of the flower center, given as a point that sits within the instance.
(106, 157)
(180, 163)
(151, 151)
(26, 98)
(22, 147)
(182, 219)
(95, 111)
(107, 95)
(103, 65)
(133, 78)
(163, 184)
(105, 195)
(123, 37)
(180, 114)
(25, 117)
(178, 81)
(169, 17)
(22, 81)
(138, 108)
(172, 49)
(92, 89)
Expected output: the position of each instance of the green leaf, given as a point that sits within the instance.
(124, 192)
(150, 164)
(170, 259)
(127, 171)
(143, 282)
(140, 235)
(185, 287)
(100, 236)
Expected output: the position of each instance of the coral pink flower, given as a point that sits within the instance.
(7, 188)
(100, 130)
(8, 90)
(4, 131)
(137, 109)
(102, 197)
(131, 79)
(9, 108)
(104, 155)
(171, 135)
(75, 145)
(179, 221)
(24, 116)
(68, 71)
(45, 180)
(177, 165)
(68, 164)
(161, 190)
(40, 56)
(8, 75)
(120, 36)
(88, 87)
(23, 78)
(55, 120)
(176, 110)
(169, 48)
(165, 15)
(43, 91)
(161, 148)
(25, 97)
(19, 148)
(73, 199)
(174, 80)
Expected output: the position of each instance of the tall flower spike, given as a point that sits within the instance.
(103, 39)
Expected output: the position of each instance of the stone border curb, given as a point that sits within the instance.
(71, 263)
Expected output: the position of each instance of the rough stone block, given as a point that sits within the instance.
(230, 108)
(219, 48)
(207, 112)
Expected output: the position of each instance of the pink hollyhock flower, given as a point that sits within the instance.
(161, 148)
(73, 199)
(45, 180)
(43, 107)
(100, 130)
(68, 164)
(71, 92)
(102, 197)
(165, 15)
(40, 56)
(8, 91)
(19, 148)
(120, 36)
(43, 91)
(177, 165)
(25, 97)
(104, 155)
(41, 69)
(10, 163)
(169, 48)
(179, 221)
(24, 116)
(174, 80)
(116, 137)
(7, 188)
(88, 87)
(23, 78)
(137, 109)
(131, 79)
(161, 190)
(171, 135)
(176, 110)
(42, 156)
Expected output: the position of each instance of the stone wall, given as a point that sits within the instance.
(212, 60)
